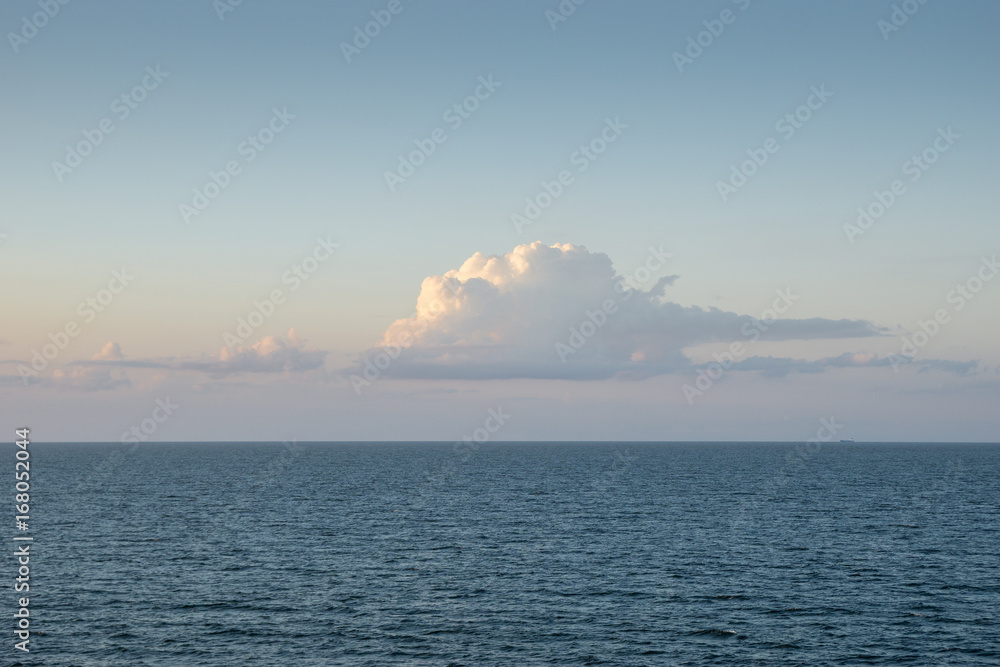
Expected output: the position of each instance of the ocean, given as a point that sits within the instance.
(513, 554)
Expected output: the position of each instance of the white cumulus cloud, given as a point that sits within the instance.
(561, 311)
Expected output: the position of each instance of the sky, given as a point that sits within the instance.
(383, 220)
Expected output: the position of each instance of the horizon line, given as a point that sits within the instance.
(515, 442)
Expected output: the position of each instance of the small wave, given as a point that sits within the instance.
(715, 632)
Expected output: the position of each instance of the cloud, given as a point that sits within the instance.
(562, 312)
(71, 377)
(106, 370)
(92, 379)
(782, 366)
(271, 354)
(947, 366)
(660, 288)
(109, 352)
(88, 379)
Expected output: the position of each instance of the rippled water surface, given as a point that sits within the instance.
(577, 554)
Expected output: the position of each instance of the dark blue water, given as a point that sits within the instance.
(704, 554)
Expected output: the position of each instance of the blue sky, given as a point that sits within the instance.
(655, 185)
